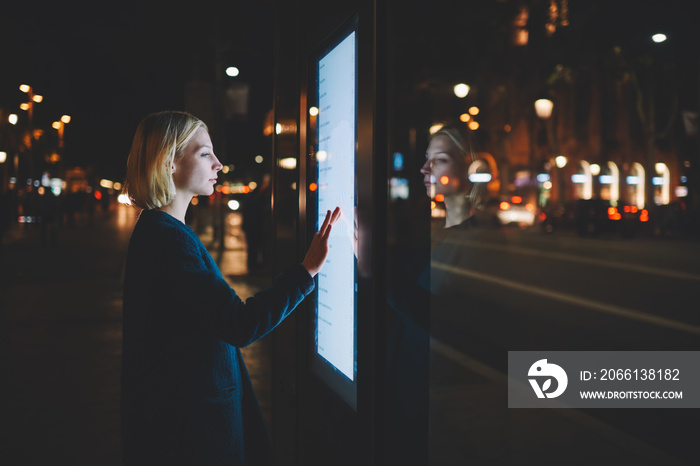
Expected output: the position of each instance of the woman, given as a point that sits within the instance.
(187, 397)
(445, 173)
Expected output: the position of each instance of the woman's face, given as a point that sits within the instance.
(441, 171)
(196, 171)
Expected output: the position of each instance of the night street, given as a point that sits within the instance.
(511, 290)
(61, 337)
(517, 290)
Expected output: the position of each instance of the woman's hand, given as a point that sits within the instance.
(318, 251)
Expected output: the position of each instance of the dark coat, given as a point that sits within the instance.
(186, 394)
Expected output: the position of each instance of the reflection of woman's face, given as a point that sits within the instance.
(441, 171)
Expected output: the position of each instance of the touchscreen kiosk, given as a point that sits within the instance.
(334, 320)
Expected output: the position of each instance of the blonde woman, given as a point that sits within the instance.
(187, 397)
(445, 173)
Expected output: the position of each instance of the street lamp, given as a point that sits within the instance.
(543, 108)
(33, 98)
(60, 125)
(461, 90)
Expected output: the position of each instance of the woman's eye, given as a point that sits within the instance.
(206, 154)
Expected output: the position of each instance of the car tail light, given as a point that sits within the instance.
(529, 207)
(644, 215)
(613, 214)
(504, 205)
(516, 199)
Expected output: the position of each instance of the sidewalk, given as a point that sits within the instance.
(61, 336)
(60, 343)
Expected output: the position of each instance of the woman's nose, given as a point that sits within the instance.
(425, 169)
(217, 165)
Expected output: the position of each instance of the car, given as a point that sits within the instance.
(594, 217)
(515, 211)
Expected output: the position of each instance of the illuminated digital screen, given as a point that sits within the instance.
(337, 98)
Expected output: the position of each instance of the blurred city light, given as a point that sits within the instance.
(258, 159)
(435, 128)
(290, 163)
(38, 98)
(24, 88)
(461, 90)
(234, 204)
(595, 169)
(543, 108)
(658, 38)
(232, 71)
(560, 161)
(3, 156)
(65, 119)
(313, 111)
(12, 119)
(473, 125)
(474, 111)
(465, 117)
(480, 177)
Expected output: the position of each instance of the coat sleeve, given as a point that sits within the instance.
(203, 298)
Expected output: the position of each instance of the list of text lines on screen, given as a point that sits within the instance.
(336, 187)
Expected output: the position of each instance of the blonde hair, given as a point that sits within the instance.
(159, 140)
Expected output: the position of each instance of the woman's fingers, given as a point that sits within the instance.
(332, 221)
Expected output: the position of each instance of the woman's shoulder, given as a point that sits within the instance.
(161, 227)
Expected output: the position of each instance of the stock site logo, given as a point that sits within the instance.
(544, 371)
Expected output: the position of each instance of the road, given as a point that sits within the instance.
(500, 290)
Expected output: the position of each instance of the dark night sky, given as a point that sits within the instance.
(108, 64)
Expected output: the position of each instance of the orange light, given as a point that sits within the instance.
(246, 189)
(543, 216)
(516, 199)
(634, 209)
(440, 197)
(628, 209)
(98, 195)
(432, 205)
(504, 205)
(644, 216)
(613, 214)
(444, 179)
(313, 187)
(225, 189)
(529, 207)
